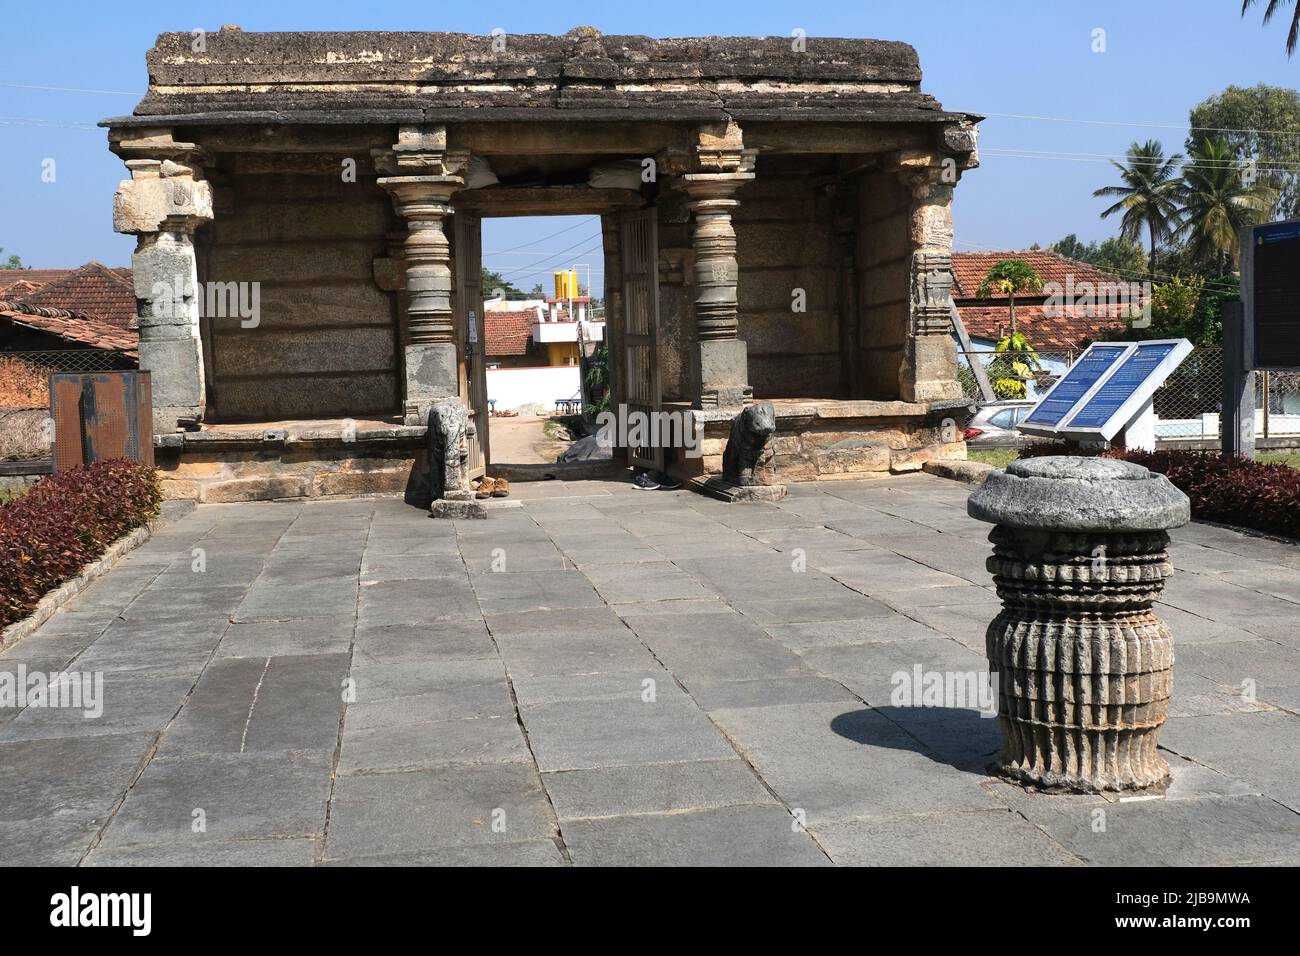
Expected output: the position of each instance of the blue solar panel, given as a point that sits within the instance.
(1119, 388)
(1083, 375)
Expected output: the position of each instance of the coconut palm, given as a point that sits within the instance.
(1273, 5)
(1010, 277)
(1146, 198)
(1217, 202)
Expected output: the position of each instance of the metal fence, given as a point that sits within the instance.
(24, 376)
(1186, 405)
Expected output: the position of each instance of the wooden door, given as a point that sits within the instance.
(641, 391)
(470, 327)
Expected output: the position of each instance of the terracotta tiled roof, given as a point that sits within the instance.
(508, 333)
(73, 326)
(969, 268)
(33, 277)
(93, 289)
(1067, 328)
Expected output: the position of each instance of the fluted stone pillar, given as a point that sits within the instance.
(719, 363)
(1084, 667)
(162, 204)
(421, 175)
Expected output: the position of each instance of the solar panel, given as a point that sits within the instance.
(1077, 382)
(1106, 389)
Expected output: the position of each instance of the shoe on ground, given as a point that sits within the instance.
(667, 482)
(485, 488)
(501, 488)
(645, 482)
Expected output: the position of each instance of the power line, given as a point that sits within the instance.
(65, 89)
(44, 123)
(561, 254)
(1020, 152)
(1180, 126)
(586, 220)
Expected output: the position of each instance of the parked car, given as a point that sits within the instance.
(995, 423)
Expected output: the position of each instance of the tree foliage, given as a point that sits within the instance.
(1260, 124)
(1293, 34)
(13, 262)
(1015, 363)
(1011, 277)
(1146, 196)
(1216, 201)
(1116, 255)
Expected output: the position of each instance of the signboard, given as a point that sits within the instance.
(1270, 289)
(1090, 369)
(1106, 390)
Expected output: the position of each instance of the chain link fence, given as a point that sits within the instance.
(1186, 405)
(24, 376)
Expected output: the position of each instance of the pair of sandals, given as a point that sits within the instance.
(491, 488)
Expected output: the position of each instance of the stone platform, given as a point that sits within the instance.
(597, 675)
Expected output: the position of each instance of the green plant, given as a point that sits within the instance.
(65, 521)
(597, 381)
(1293, 35)
(1014, 364)
(1011, 277)
(1146, 197)
(1218, 199)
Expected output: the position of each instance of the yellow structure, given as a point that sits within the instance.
(566, 284)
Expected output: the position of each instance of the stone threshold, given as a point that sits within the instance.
(792, 412)
(53, 600)
(268, 439)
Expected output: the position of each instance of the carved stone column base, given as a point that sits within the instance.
(457, 508)
(1083, 667)
(431, 375)
(723, 490)
(720, 372)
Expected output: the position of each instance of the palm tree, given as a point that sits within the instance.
(1010, 277)
(1294, 35)
(1218, 202)
(1146, 198)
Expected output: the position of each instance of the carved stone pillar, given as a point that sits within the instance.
(162, 204)
(1084, 668)
(719, 366)
(423, 176)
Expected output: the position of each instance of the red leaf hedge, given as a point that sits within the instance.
(64, 522)
(1222, 488)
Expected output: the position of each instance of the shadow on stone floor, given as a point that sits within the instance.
(957, 737)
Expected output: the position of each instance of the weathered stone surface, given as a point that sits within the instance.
(1085, 668)
(971, 472)
(1080, 494)
(750, 431)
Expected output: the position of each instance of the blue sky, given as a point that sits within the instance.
(1010, 57)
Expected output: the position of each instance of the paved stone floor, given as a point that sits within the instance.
(604, 676)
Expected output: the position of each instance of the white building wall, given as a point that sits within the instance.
(511, 388)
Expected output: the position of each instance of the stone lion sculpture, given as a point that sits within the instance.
(750, 431)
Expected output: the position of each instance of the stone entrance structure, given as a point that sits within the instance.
(776, 222)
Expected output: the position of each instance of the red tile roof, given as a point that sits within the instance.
(34, 277)
(1067, 328)
(93, 289)
(508, 333)
(73, 326)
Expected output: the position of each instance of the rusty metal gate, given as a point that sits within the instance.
(101, 415)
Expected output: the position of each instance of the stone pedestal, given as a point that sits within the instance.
(1084, 668)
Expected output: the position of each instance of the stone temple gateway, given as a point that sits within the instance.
(776, 220)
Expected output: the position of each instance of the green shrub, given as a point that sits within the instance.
(64, 522)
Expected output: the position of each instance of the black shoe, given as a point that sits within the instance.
(644, 482)
(667, 482)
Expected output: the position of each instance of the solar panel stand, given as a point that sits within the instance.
(1140, 432)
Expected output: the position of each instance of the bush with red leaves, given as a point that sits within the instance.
(64, 522)
(1222, 488)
